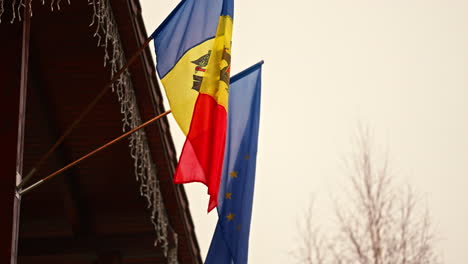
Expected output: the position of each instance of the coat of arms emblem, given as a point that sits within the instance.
(200, 69)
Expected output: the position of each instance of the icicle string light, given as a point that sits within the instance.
(2, 9)
(13, 4)
(21, 4)
(16, 6)
(106, 32)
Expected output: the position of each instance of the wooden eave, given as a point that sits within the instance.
(93, 213)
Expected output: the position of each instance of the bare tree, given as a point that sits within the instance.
(379, 224)
(312, 243)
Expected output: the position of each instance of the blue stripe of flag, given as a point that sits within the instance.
(192, 22)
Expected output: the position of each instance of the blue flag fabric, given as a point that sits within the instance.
(230, 241)
(189, 24)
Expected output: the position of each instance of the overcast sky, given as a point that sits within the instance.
(399, 66)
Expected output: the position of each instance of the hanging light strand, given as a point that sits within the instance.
(108, 37)
(17, 5)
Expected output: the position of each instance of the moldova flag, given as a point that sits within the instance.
(193, 55)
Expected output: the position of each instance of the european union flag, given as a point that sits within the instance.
(230, 242)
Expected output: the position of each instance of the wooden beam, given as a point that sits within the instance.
(58, 259)
(14, 76)
(77, 214)
(111, 257)
(131, 244)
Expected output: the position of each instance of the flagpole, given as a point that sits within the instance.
(88, 109)
(50, 176)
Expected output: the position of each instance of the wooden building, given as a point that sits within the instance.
(114, 206)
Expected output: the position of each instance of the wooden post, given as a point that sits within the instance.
(14, 51)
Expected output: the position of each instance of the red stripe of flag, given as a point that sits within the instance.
(202, 156)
